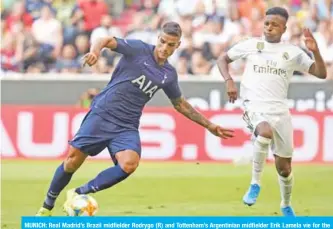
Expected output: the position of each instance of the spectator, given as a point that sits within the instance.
(18, 14)
(139, 28)
(182, 66)
(48, 32)
(256, 23)
(27, 46)
(200, 65)
(91, 12)
(245, 8)
(67, 61)
(324, 9)
(304, 11)
(53, 35)
(34, 7)
(82, 45)
(64, 10)
(323, 37)
(296, 5)
(212, 32)
(102, 66)
(10, 55)
(37, 67)
(105, 29)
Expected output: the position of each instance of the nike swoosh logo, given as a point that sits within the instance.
(165, 77)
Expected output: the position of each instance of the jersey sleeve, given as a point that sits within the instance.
(130, 46)
(302, 62)
(239, 50)
(172, 90)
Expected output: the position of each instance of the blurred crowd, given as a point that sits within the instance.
(53, 35)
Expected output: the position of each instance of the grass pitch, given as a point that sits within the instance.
(167, 189)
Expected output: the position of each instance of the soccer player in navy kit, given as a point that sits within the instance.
(114, 116)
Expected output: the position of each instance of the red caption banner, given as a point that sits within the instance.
(42, 132)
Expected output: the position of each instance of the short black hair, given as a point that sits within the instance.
(278, 11)
(172, 28)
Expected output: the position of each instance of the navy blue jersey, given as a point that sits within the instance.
(133, 83)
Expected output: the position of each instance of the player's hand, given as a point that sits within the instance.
(221, 132)
(310, 41)
(231, 90)
(90, 59)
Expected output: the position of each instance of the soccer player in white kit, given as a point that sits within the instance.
(270, 64)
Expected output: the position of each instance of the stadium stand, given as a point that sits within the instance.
(52, 35)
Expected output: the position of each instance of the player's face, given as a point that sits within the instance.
(166, 45)
(274, 27)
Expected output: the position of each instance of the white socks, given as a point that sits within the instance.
(261, 146)
(286, 184)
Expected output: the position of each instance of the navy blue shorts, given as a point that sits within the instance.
(95, 134)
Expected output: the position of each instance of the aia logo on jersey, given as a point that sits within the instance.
(145, 85)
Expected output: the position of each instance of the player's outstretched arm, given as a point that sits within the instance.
(95, 49)
(182, 106)
(318, 68)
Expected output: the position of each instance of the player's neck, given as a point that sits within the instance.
(159, 61)
(274, 42)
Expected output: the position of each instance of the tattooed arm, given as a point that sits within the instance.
(183, 107)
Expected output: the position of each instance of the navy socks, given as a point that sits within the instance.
(59, 182)
(104, 180)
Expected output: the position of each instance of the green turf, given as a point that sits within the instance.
(168, 189)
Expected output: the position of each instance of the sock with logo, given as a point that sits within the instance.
(261, 146)
(103, 180)
(60, 179)
(286, 185)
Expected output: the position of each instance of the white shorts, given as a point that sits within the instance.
(282, 143)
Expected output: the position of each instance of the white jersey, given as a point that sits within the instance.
(269, 68)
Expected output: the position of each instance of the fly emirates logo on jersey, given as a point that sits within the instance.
(43, 132)
(270, 68)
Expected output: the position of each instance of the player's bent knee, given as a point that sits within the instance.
(284, 172)
(129, 166)
(264, 129)
(74, 160)
(128, 160)
(283, 166)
